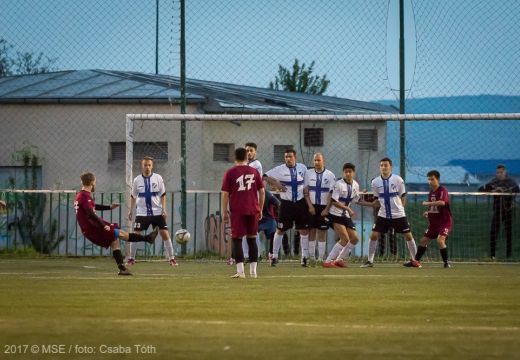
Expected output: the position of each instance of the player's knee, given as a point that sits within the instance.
(374, 236)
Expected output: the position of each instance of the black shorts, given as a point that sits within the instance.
(342, 220)
(293, 213)
(317, 221)
(143, 222)
(400, 225)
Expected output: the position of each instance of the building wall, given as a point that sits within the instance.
(71, 139)
(340, 145)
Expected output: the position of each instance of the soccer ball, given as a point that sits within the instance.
(182, 236)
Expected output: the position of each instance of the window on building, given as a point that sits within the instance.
(223, 152)
(279, 153)
(157, 150)
(367, 139)
(313, 137)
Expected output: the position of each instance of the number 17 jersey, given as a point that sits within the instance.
(242, 182)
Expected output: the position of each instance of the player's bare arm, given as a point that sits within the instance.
(163, 205)
(132, 207)
(224, 206)
(325, 211)
(434, 203)
(275, 184)
(261, 201)
(312, 211)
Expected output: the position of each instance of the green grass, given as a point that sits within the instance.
(196, 312)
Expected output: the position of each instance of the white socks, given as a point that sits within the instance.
(252, 268)
(132, 250)
(312, 249)
(277, 243)
(372, 246)
(240, 268)
(412, 248)
(321, 249)
(334, 252)
(347, 250)
(304, 241)
(168, 247)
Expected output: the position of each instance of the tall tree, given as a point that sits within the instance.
(23, 63)
(300, 79)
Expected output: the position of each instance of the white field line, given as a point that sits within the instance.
(385, 327)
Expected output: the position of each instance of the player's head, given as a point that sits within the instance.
(434, 178)
(251, 151)
(349, 170)
(385, 167)
(290, 157)
(88, 180)
(319, 161)
(240, 155)
(147, 165)
(501, 172)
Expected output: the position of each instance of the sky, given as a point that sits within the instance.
(453, 48)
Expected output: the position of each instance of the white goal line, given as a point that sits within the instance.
(322, 117)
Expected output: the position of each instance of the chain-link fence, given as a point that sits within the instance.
(87, 64)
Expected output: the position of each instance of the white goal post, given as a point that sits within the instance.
(131, 118)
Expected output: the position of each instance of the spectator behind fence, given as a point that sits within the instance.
(502, 207)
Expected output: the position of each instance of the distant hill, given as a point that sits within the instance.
(439, 143)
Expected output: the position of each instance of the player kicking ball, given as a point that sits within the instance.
(243, 194)
(439, 217)
(99, 231)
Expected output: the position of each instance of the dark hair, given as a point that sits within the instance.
(349, 166)
(146, 158)
(501, 166)
(240, 154)
(290, 150)
(251, 144)
(434, 173)
(386, 159)
(87, 178)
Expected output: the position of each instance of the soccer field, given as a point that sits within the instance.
(196, 311)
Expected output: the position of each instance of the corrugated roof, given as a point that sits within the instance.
(94, 86)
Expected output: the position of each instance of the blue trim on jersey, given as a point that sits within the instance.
(386, 195)
(294, 183)
(148, 195)
(317, 195)
(348, 199)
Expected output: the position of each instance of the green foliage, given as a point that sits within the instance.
(300, 79)
(30, 206)
(23, 62)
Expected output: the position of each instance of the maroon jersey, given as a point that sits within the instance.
(242, 182)
(92, 229)
(439, 215)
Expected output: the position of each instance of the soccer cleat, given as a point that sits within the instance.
(130, 262)
(447, 265)
(328, 264)
(312, 262)
(274, 262)
(173, 262)
(367, 265)
(340, 263)
(319, 261)
(150, 238)
(238, 276)
(253, 276)
(304, 262)
(230, 261)
(412, 263)
(124, 272)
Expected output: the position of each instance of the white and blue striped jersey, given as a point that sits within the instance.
(148, 192)
(345, 194)
(320, 184)
(389, 192)
(292, 178)
(256, 164)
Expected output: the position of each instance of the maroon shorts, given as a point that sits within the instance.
(435, 230)
(101, 237)
(242, 225)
